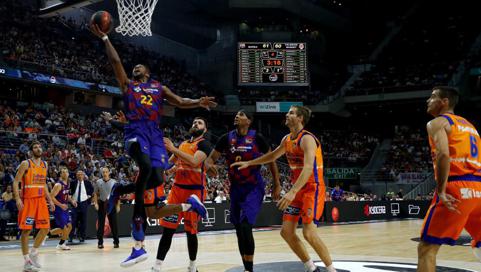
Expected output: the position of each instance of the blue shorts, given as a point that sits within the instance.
(245, 202)
(150, 138)
(62, 218)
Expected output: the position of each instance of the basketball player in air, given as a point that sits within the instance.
(60, 196)
(31, 204)
(155, 207)
(143, 99)
(305, 200)
(247, 185)
(190, 178)
(455, 146)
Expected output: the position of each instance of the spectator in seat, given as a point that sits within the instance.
(337, 193)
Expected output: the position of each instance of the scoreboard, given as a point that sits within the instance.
(272, 64)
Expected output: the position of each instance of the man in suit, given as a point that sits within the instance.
(81, 191)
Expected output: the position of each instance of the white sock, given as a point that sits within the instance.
(26, 258)
(34, 251)
(192, 266)
(185, 207)
(331, 268)
(477, 253)
(138, 245)
(309, 265)
(158, 264)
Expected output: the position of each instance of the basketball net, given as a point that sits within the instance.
(135, 17)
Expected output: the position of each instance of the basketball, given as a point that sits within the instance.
(103, 19)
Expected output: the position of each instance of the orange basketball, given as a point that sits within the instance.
(103, 19)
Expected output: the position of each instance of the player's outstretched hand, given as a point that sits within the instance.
(450, 202)
(286, 200)
(207, 102)
(212, 171)
(95, 29)
(106, 116)
(51, 206)
(120, 116)
(169, 145)
(276, 192)
(241, 165)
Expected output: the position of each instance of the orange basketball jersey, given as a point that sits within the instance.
(295, 157)
(464, 144)
(34, 180)
(186, 174)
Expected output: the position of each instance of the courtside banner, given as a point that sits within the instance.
(352, 211)
(218, 219)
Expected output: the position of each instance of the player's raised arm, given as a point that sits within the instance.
(113, 58)
(206, 102)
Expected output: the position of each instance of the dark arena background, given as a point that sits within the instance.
(364, 68)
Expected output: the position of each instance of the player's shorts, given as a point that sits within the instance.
(34, 212)
(62, 218)
(150, 138)
(307, 205)
(179, 195)
(245, 202)
(154, 197)
(442, 226)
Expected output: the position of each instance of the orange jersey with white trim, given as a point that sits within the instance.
(186, 174)
(295, 157)
(464, 147)
(34, 180)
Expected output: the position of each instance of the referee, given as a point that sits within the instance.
(103, 187)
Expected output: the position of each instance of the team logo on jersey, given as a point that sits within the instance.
(137, 89)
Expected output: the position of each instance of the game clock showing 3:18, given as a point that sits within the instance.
(272, 64)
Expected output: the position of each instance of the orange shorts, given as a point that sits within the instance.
(178, 196)
(153, 196)
(34, 212)
(442, 226)
(308, 204)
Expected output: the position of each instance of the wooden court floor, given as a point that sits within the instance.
(376, 241)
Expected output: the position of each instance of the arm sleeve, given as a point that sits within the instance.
(262, 143)
(205, 147)
(222, 143)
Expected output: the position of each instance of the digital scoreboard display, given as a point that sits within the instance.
(272, 64)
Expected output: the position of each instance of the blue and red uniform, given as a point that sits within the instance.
(62, 217)
(143, 109)
(247, 186)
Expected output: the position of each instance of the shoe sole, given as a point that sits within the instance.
(135, 261)
(201, 204)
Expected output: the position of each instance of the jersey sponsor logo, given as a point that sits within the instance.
(171, 219)
(373, 210)
(151, 90)
(291, 210)
(29, 221)
(471, 130)
(469, 193)
(137, 89)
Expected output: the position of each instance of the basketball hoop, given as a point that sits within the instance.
(135, 17)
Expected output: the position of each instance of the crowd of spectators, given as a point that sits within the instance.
(424, 53)
(409, 153)
(63, 47)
